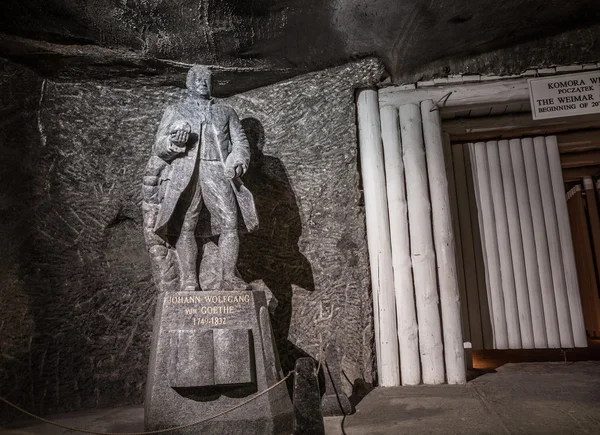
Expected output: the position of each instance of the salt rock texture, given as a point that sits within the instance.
(77, 297)
(272, 39)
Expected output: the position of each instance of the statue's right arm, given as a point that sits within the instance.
(162, 143)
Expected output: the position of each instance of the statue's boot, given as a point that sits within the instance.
(189, 287)
(187, 251)
(229, 244)
(235, 283)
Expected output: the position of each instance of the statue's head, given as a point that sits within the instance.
(199, 81)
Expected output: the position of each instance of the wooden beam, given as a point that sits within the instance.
(507, 285)
(534, 287)
(566, 243)
(541, 242)
(378, 238)
(458, 238)
(421, 245)
(410, 368)
(578, 141)
(445, 249)
(490, 240)
(467, 96)
(557, 264)
(479, 293)
(584, 260)
(594, 217)
(576, 160)
(594, 221)
(516, 246)
(517, 125)
(578, 174)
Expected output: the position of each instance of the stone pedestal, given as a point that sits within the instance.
(210, 352)
(308, 419)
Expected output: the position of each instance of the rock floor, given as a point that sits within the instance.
(524, 398)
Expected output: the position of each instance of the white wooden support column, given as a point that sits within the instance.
(585, 258)
(445, 250)
(529, 248)
(378, 237)
(589, 241)
(490, 240)
(506, 266)
(516, 245)
(458, 235)
(541, 243)
(483, 280)
(554, 248)
(410, 367)
(566, 243)
(421, 244)
(593, 217)
(478, 243)
(471, 290)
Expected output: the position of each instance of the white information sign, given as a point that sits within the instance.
(565, 95)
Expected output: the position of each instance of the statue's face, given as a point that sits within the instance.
(202, 84)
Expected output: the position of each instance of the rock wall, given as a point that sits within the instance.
(579, 46)
(102, 38)
(76, 293)
(21, 187)
(311, 247)
(80, 268)
(77, 297)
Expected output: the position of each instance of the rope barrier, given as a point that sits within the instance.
(160, 431)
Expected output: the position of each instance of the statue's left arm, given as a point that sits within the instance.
(239, 158)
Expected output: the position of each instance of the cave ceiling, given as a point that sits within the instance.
(255, 42)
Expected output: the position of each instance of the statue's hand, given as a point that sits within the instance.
(236, 171)
(180, 137)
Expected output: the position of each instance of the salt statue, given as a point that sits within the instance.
(192, 190)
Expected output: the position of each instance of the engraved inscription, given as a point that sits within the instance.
(201, 321)
(225, 299)
(208, 310)
(220, 309)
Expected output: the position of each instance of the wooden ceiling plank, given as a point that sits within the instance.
(463, 95)
(576, 160)
(577, 174)
(578, 141)
(482, 111)
(514, 125)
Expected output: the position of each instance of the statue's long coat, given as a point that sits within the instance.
(218, 125)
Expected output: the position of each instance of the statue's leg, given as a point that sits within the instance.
(220, 201)
(229, 246)
(187, 247)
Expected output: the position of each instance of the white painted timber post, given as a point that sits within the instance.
(516, 245)
(481, 263)
(378, 237)
(410, 367)
(458, 236)
(490, 241)
(541, 243)
(421, 244)
(554, 248)
(566, 243)
(529, 248)
(445, 249)
(505, 255)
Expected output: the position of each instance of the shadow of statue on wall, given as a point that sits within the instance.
(271, 253)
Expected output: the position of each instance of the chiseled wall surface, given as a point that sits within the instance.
(80, 268)
(77, 298)
(22, 185)
(580, 46)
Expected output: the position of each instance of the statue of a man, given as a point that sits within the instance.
(202, 152)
